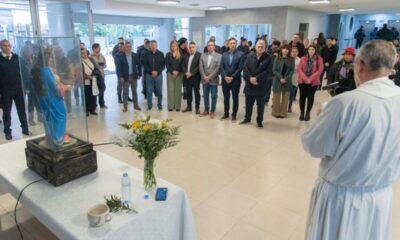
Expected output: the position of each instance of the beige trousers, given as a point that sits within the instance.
(280, 101)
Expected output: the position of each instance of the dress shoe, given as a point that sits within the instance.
(104, 107)
(87, 114)
(307, 117)
(137, 108)
(234, 118)
(129, 99)
(212, 115)
(226, 116)
(178, 110)
(187, 110)
(197, 111)
(245, 121)
(260, 125)
(289, 110)
(26, 132)
(159, 108)
(301, 118)
(94, 113)
(169, 110)
(8, 137)
(120, 101)
(204, 114)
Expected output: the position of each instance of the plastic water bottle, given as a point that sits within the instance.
(126, 197)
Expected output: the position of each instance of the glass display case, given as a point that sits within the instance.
(51, 70)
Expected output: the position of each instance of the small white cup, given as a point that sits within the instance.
(98, 215)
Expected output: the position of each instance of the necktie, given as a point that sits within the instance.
(8, 57)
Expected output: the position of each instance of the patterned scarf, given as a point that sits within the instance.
(309, 66)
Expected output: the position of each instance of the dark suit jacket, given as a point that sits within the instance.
(123, 67)
(194, 68)
(234, 69)
(10, 77)
(259, 68)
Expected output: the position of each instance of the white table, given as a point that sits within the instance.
(63, 209)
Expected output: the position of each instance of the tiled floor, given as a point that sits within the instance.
(244, 183)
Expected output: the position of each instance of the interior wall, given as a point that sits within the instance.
(274, 15)
(318, 22)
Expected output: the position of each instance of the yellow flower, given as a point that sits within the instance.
(164, 124)
(136, 124)
(147, 127)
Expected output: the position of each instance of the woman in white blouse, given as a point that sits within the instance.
(91, 90)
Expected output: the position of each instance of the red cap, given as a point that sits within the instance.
(349, 51)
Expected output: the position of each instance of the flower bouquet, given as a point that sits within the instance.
(148, 137)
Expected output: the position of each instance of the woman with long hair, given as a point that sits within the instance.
(283, 69)
(174, 64)
(310, 69)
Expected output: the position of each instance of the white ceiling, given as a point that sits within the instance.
(361, 6)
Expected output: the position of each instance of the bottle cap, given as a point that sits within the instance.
(125, 175)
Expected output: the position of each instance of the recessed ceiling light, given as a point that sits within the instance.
(168, 2)
(216, 8)
(194, 4)
(346, 9)
(319, 1)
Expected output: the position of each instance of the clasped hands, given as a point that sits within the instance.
(253, 80)
(228, 79)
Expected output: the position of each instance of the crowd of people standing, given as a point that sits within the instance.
(280, 69)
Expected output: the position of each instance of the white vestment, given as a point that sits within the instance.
(357, 136)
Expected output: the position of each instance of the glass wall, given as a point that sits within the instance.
(58, 18)
(107, 36)
(181, 28)
(15, 20)
(249, 31)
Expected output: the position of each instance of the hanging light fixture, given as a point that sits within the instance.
(168, 2)
(319, 1)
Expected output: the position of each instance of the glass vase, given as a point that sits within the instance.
(149, 178)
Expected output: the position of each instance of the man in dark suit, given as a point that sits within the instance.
(139, 52)
(193, 77)
(128, 71)
(116, 56)
(11, 88)
(231, 68)
(256, 72)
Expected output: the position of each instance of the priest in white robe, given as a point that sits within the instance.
(357, 136)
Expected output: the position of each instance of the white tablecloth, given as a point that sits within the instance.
(63, 209)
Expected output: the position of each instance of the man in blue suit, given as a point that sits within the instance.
(231, 68)
(128, 71)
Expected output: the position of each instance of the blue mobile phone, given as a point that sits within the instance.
(161, 194)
